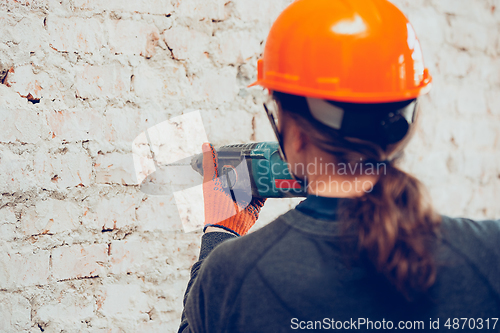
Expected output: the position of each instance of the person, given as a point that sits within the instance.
(365, 250)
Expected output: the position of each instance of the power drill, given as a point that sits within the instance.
(254, 169)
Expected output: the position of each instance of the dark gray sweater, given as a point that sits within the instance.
(291, 275)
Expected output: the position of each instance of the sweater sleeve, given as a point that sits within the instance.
(209, 241)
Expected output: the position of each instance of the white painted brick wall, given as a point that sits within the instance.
(83, 249)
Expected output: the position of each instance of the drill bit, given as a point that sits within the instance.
(196, 163)
(178, 164)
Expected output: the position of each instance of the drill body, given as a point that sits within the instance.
(254, 169)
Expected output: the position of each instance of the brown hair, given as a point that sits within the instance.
(395, 222)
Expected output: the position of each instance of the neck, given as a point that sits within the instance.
(340, 186)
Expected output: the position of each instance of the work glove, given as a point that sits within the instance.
(220, 209)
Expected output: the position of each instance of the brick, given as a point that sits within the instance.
(483, 133)
(8, 232)
(157, 83)
(8, 97)
(115, 168)
(71, 125)
(216, 86)
(159, 213)
(442, 132)
(497, 49)
(186, 43)
(50, 216)
(430, 166)
(183, 250)
(144, 164)
(114, 213)
(23, 269)
(467, 34)
(121, 125)
(455, 163)
(157, 326)
(124, 301)
(178, 138)
(30, 4)
(454, 62)
(449, 198)
(8, 222)
(490, 70)
(260, 10)
(15, 313)
(52, 89)
(443, 98)
(185, 184)
(428, 24)
(457, 133)
(191, 211)
(132, 256)
(461, 7)
(69, 309)
(17, 174)
(406, 6)
(484, 204)
(485, 70)
(480, 11)
(428, 127)
(138, 6)
(69, 168)
(24, 82)
(133, 38)
(237, 47)
(77, 261)
(263, 130)
(495, 210)
(106, 81)
(148, 83)
(201, 9)
(240, 120)
(16, 31)
(493, 101)
(7, 216)
(471, 100)
(75, 34)
(23, 125)
(474, 164)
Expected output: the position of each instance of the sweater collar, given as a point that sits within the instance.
(317, 215)
(318, 207)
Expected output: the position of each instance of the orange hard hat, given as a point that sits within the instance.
(358, 51)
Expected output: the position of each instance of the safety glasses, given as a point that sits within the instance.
(271, 108)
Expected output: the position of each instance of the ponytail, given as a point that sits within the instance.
(395, 227)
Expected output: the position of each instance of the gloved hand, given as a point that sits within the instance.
(220, 209)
